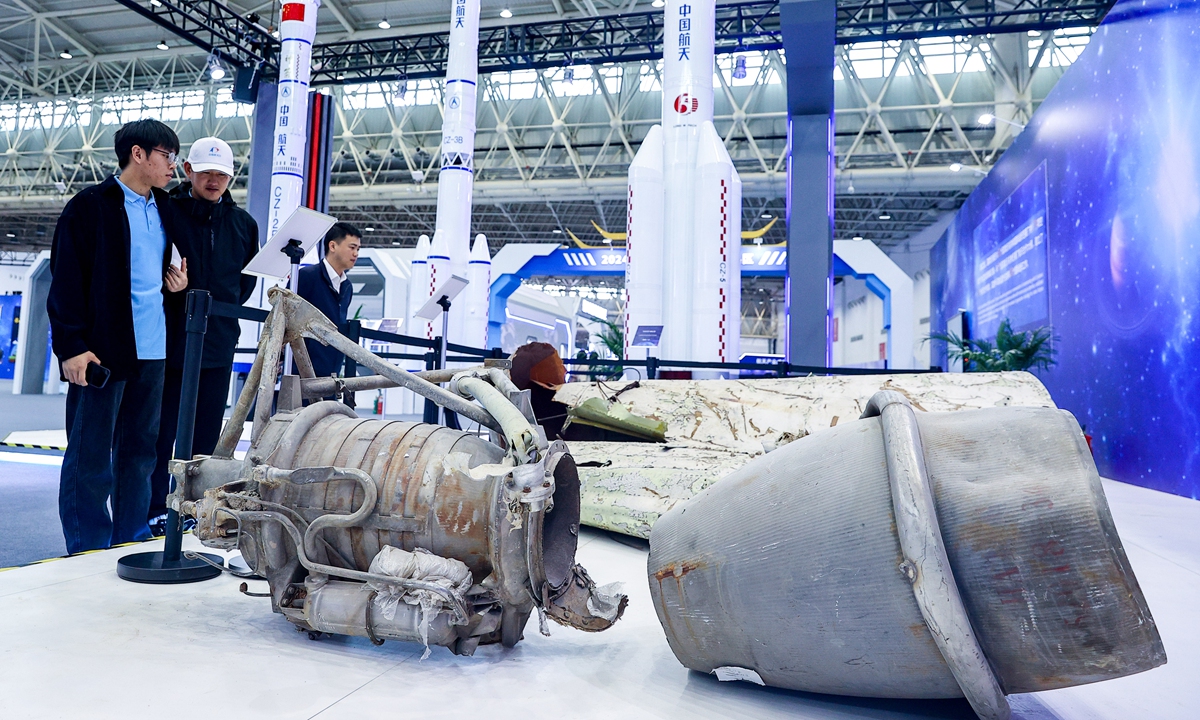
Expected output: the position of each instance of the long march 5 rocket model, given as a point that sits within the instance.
(683, 262)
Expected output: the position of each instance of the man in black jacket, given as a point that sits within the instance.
(217, 239)
(110, 265)
(326, 286)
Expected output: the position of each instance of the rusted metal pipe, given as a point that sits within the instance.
(269, 353)
(325, 387)
(330, 336)
(232, 432)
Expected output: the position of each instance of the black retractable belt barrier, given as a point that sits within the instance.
(169, 566)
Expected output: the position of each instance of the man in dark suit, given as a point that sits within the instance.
(326, 286)
(110, 265)
(218, 239)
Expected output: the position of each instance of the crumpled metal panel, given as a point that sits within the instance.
(716, 426)
(745, 415)
(791, 567)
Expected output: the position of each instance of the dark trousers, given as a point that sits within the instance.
(110, 453)
(210, 412)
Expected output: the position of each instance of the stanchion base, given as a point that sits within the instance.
(149, 567)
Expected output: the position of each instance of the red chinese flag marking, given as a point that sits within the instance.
(293, 11)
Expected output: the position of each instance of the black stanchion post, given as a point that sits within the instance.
(651, 367)
(354, 333)
(431, 409)
(169, 566)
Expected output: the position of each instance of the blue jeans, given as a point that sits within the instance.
(110, 453)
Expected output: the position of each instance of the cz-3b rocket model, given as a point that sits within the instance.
(684, 223)
(450, 252)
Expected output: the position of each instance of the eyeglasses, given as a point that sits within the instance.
(171, 157)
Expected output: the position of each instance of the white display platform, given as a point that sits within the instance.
(78, 642)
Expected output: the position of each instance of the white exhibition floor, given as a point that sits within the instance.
(77, 642)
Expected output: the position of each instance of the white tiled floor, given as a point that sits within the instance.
(77, 642)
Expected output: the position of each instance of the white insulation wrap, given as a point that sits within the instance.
(643, 244)
(297, 29)
(458, 149)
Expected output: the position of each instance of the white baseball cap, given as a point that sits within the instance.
(211, 153)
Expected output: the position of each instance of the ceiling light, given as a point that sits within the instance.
(885, 216)
(384, 24)
(987, 119)
(557, 231)
(162, 45)
(857, 238)
(658, 3)
(955, 167)
(369, 229)
(739, 67)
(1034, 33)
(11, 235)
(215, 70)
(766, 216)
(506, 13)
(155, 3)
(65, 55)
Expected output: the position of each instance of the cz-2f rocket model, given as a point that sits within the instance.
(684, 226)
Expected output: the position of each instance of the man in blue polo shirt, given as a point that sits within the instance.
(110, 263)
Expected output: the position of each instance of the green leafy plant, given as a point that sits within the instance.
(1027, 350)
(613, 336)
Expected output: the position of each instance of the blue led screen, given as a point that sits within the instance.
(1110, 165)
(1010, 260)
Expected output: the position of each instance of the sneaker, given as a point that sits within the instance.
(158, 525)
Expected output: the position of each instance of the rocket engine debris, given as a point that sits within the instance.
(908, 555)
(392, 529)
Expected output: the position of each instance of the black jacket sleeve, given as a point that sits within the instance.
(70, 285)
(249, 282)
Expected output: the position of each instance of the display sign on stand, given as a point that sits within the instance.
(440, 301)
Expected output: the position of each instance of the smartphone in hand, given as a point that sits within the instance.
(97, 375)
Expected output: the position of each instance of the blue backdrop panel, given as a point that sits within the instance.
(1110, 166)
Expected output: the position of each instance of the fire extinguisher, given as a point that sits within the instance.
(379, 403)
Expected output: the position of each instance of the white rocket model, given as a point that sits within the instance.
(297, 28)
(458, 149)
(474, 298)
(440, 269)
(418, 290)
(683, 266)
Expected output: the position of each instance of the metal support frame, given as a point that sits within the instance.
(216, 28)
(629, 37)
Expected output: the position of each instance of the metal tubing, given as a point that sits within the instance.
(269, 353)
(301, 360)
(522, 439)
(324, 387)
(198, 302)
(460, 610)
(309, 476)
(232, 432)
(403, 378)
(925, 562)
